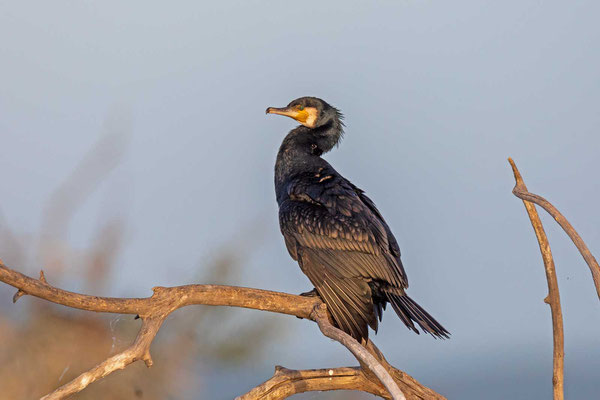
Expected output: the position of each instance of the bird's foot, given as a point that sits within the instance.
(312, 293)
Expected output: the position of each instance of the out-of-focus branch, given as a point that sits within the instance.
(139, 350)
(521, 192)
(96, 165)
(153, 311)
(553, 298)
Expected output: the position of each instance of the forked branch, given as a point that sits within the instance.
(520, 190)
(153, 311)
(553, 298)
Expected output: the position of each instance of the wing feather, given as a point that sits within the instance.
(348, 298)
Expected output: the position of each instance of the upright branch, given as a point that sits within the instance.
(154, 310)
(553, 298)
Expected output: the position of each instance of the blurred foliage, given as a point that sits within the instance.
(51, 345)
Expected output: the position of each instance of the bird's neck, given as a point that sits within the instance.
(299, 153)
(329, 134)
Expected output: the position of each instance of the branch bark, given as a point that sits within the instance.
(553, 298)
(154, 310)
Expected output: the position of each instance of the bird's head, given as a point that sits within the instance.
(311, 112)
(322, 119)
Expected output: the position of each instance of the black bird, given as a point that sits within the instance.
(335, 232)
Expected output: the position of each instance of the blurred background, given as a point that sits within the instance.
(135, 152)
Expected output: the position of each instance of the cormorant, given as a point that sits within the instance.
(335, 232)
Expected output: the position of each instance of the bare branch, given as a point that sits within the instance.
(287, 382)
(153, 311)
(521, 192)
(553, 298)
(166, 298)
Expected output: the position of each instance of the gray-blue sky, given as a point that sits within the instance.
(436, 95)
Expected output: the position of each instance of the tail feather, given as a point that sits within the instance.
(408, 311)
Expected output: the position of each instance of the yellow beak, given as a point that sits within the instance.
(292, 112)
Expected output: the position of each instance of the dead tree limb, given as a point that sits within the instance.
(553, 298)
(153, 311)
(287, 382)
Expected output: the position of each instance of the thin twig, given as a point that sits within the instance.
(153, 311)
(553, 298)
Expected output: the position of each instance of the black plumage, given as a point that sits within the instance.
(335, 232)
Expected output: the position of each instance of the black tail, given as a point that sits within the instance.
(409, 311)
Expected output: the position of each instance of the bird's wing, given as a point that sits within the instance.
(341, 244)
(325, 211)
(394, 248)
(348, 297)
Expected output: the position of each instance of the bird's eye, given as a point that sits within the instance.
(300, 107)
